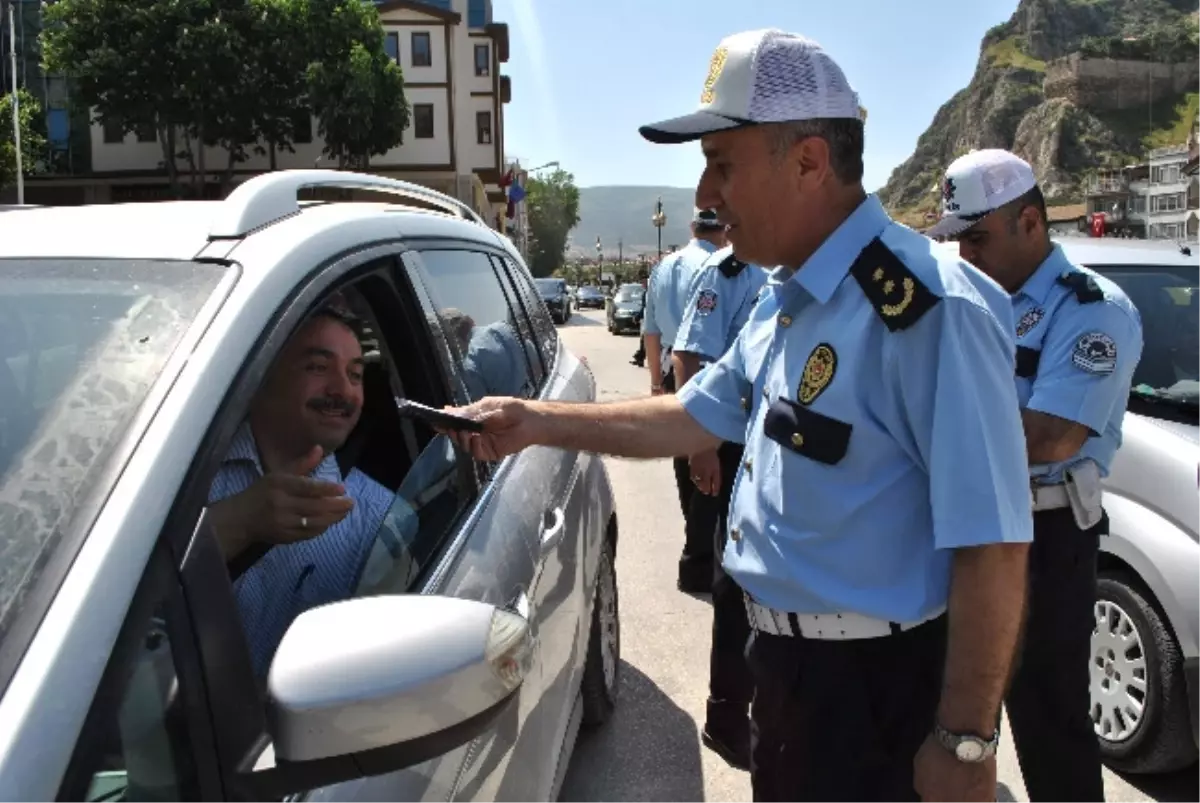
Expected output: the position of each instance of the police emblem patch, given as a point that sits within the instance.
(1095, 353)
(948, 190)
(714, 72)
(1029, 320)
(706, 302)
(818, 373)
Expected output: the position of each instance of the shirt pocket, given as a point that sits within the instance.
(807, 433)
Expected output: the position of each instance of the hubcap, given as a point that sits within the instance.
(610, 633)
(1118, 674)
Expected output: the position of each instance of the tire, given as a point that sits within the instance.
(600, 685)
(1161, 740)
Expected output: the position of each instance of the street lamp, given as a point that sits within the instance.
(659, 219)
(599, 261)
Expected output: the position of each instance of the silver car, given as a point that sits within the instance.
(1145, 646)
(481, 632)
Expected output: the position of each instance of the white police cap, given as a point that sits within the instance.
(765, 76)
(978, 184)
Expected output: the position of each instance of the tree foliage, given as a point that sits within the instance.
(553, 207)
(33, 140)
(233, 74)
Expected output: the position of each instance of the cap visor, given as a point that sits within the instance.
(949, 226)
(688, 128)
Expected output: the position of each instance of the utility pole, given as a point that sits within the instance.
(16, 105)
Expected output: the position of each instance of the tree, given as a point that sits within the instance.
(33, 143)
(356, 89)
(553, 212)
(235, 74)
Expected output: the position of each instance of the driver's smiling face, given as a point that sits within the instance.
(315, 388)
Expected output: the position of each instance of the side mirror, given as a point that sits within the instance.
(376, 684)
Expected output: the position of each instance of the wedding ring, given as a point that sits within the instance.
(304, 522)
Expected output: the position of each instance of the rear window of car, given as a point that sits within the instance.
(630, 292)
(550, 286)
(81, 344)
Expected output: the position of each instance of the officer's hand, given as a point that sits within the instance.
(706, 472)
(938, 775)
(281, 507)
(508, 427)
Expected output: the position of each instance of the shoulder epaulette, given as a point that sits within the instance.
(731, 266)
(1082, 285)
(897, 295)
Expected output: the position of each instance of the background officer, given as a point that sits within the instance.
(666, 298)
(722, 295)
(881, 531)
(1079, 339)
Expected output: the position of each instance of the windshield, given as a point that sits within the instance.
(81, 343)
(589, 291)
(1167, 297)
(549, 287)
(630, 292)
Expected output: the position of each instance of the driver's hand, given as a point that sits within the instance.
(280, 508)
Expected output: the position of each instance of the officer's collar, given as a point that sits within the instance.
(823, 272)
(1041, 282)
(704, 245)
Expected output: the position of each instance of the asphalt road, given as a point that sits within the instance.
(650, 749)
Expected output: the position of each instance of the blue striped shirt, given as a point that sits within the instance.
(291, 578)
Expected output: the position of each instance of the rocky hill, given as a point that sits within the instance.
(1070, 85)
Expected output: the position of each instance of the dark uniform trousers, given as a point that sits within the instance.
(843, 720)
(1048, 700)
(729, 679)
(694, 552)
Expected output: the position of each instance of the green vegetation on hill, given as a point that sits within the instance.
(1142, 128)
(1009, 53)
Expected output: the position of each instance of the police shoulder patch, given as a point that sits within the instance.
(1029, 320)
(706, 301)
(818, 373)
(1095, 353)
(897, 295)
(731, 266)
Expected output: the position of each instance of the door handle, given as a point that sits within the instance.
(554, 526)
(519, 604)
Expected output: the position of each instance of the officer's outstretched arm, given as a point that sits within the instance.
(654, 427)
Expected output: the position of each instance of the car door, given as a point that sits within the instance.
(561, 594)
(489, 342)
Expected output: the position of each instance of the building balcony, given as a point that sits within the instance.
(1169, 151)
(1108, 186)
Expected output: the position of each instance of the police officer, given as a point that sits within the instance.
(722, 295)
(1079, 339)
(666, 299)
(880, 526)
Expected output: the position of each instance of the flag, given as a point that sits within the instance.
(516, 193)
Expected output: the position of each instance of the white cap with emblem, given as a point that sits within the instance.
(978, 184)
(765, 76)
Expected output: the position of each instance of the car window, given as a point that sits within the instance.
(494, 358)
(544, 331)
(630, 292)
(1167, 298)
(81, 344)
(550, 287)
(135, 744)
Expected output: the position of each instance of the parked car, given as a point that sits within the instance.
(481, 632)
(1145, 646)
(589, 297)
(558, 300)
(625, 309)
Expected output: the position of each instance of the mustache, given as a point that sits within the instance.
(330, 404)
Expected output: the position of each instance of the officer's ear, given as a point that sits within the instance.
(1030, 221)
(811, 158)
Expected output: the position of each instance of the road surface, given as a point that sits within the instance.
(651, 749)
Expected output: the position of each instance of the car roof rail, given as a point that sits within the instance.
(269, 197)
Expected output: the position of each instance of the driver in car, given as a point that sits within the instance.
(280, 486)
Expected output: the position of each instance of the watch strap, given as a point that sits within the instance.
(951, 741)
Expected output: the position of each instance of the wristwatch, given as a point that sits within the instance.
(967, 747)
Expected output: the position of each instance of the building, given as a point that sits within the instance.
(451, 52)
(1166, 194)
(1118, 194)
(1066, 219)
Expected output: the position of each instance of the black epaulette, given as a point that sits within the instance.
(1083, 285)
(731, 266)
(897, 295)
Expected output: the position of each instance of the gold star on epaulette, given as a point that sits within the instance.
(894, 291)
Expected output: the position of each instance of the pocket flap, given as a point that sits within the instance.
(803, 431)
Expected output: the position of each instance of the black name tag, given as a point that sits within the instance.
(804, 431)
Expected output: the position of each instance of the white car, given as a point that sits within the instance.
(481, 628)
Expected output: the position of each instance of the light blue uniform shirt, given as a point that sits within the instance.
(496, 362)
(901, 445)
(667, 296)
(291, 578)
(1087, 353)
(718, 307)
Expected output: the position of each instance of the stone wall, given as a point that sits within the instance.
(1116, 83)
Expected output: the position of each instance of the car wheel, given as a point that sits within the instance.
(1138, 691)
(602, 672)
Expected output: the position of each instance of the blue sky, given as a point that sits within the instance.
(587, 73)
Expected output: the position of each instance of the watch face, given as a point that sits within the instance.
(969, 750)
